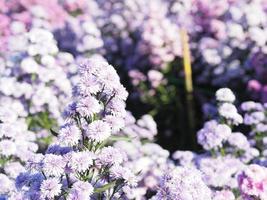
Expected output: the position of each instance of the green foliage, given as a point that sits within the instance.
(41, 120)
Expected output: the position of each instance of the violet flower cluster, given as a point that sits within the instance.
(79, 165)
(145, 158)
(233, 163)
(17, 145)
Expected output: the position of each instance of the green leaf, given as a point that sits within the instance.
(105, 187)
(120, 138)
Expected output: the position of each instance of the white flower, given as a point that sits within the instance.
(225, 95)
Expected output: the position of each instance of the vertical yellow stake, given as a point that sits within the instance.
(189, 88)
(187, 61)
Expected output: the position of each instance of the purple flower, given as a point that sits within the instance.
(238, 140)
(89, 85)
(251, 105)
(253, 182)
(7, 148)
(80, 161)
(111, 156)
(98, 131)
(155, 78)
(183, 184)
(119, 172)
(80, 190)
(229, 112)
(50, 188)
(212, 135)
(254, 118)
(53, 165)
(69, 135)
(87, 106)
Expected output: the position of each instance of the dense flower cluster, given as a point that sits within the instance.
(232, 161)
(17, 145)
(147, 159)
(77, 165)
(183, 184)
(34, 73)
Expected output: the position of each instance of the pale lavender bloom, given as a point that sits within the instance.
(251, 105)
(92, 66)
(220, 171)
(212, 135)
(98, 131)
(7, 115)
(88, 106)
(13, 169)
(229, 112)
(109, 77)
(89, 85)
(260, 127)
(50, 188)
(9, 130)
(111, 156)
(119, 172)
(53, 165)
(148, 123)
(116, 107)
(120, 92)
(80, 191)
(183, 184)
(80, 161)
(136, 77)
(155, 77)
(7, 147)
(185, 158)
(69, 135)
(114, 122)
(254, 118)
(225, 95)
(134, 193)
(6, 184)
(223, 195)
(35, 162)
(238, 140)
(250, 154)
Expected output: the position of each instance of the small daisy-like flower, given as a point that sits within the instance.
(80, 161)
(119, 172)
(115, 123)
(80, 190)
(88, 106)
(69, 135)
(98, 131)
(50, 188)
(111, 156)
(53, 165)
(88, 85)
